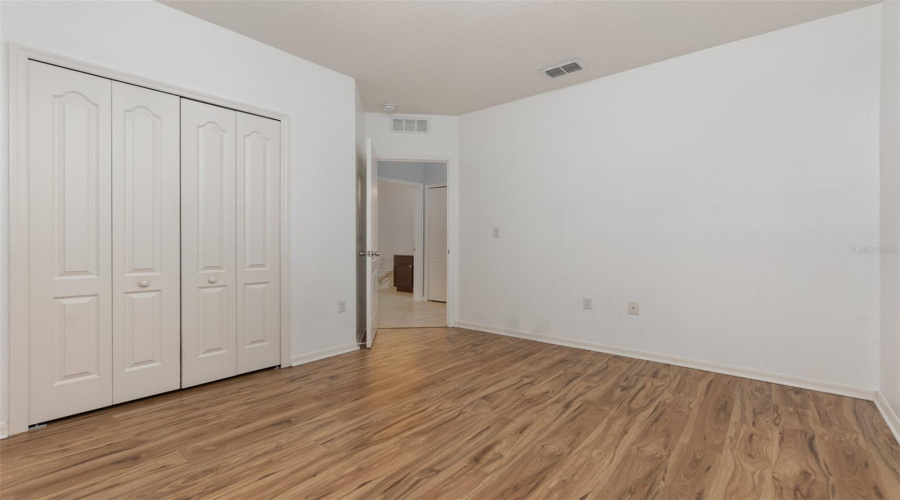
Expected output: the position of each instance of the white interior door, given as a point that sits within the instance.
(436, 242)
(258, 186)
(371, 243)
(208, 298)
(146, 242)
(69, 193)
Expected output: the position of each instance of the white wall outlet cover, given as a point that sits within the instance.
(342, 306)
(634, 308)
(496, 232)
(587, 303)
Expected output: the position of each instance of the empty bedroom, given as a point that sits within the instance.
(260, 249)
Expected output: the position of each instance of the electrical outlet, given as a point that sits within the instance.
(496, 232)
(634, 308)
(587, 303)
(342, 306)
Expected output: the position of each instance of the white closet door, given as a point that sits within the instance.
(70, 342)
(258, 185)
(146, 242)
(208, 304)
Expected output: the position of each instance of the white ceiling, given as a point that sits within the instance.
(452, 57)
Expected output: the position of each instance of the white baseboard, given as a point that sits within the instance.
(324, 353)
(295, 360)
(775, 378)
(890, 416)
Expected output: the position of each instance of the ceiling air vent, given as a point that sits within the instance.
(409, 125)
(563, 69)
(554, 72)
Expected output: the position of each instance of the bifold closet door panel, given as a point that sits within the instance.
(69, 204)
(146, 242)
(258, 185)
(208, 298)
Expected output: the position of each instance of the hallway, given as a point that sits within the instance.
(399, 310)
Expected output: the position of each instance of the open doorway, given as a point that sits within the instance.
(412, 240)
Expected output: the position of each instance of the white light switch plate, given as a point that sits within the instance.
(634, 308)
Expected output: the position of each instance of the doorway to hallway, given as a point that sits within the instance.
(412, 240)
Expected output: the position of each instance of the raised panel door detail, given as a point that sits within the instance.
(146, 242)
(258, 242)
(76, 339)
(208, 243)
(256, 176)
(212, 318)
(212, 196)
(143, 190)
(255, 307)
(75, 162)
(69, 212)
(143, 330)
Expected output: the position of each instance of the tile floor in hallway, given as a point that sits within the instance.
(399, 310)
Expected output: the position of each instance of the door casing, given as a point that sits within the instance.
(452, 226)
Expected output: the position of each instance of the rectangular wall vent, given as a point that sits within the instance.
(409, 125)
(563, 69)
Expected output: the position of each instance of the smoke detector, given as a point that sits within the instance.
(389, 108)
(563, 69)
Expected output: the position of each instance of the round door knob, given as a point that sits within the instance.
(213, 279)
(144, 283)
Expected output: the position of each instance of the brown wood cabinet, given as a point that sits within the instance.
(403, 273)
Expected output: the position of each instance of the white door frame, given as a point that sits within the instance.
(452, 225)
(425, 240)
(19, 327)
(418, 236)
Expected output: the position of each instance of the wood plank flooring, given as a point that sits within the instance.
(445, 413)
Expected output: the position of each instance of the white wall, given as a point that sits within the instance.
(419, 172)
(435, 173)
(402, 171)
(442, 140)
(396, 220)
(440, 143)
(890, 204)
(152, 40)
(722, 190)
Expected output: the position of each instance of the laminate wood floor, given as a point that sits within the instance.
(443, 413)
